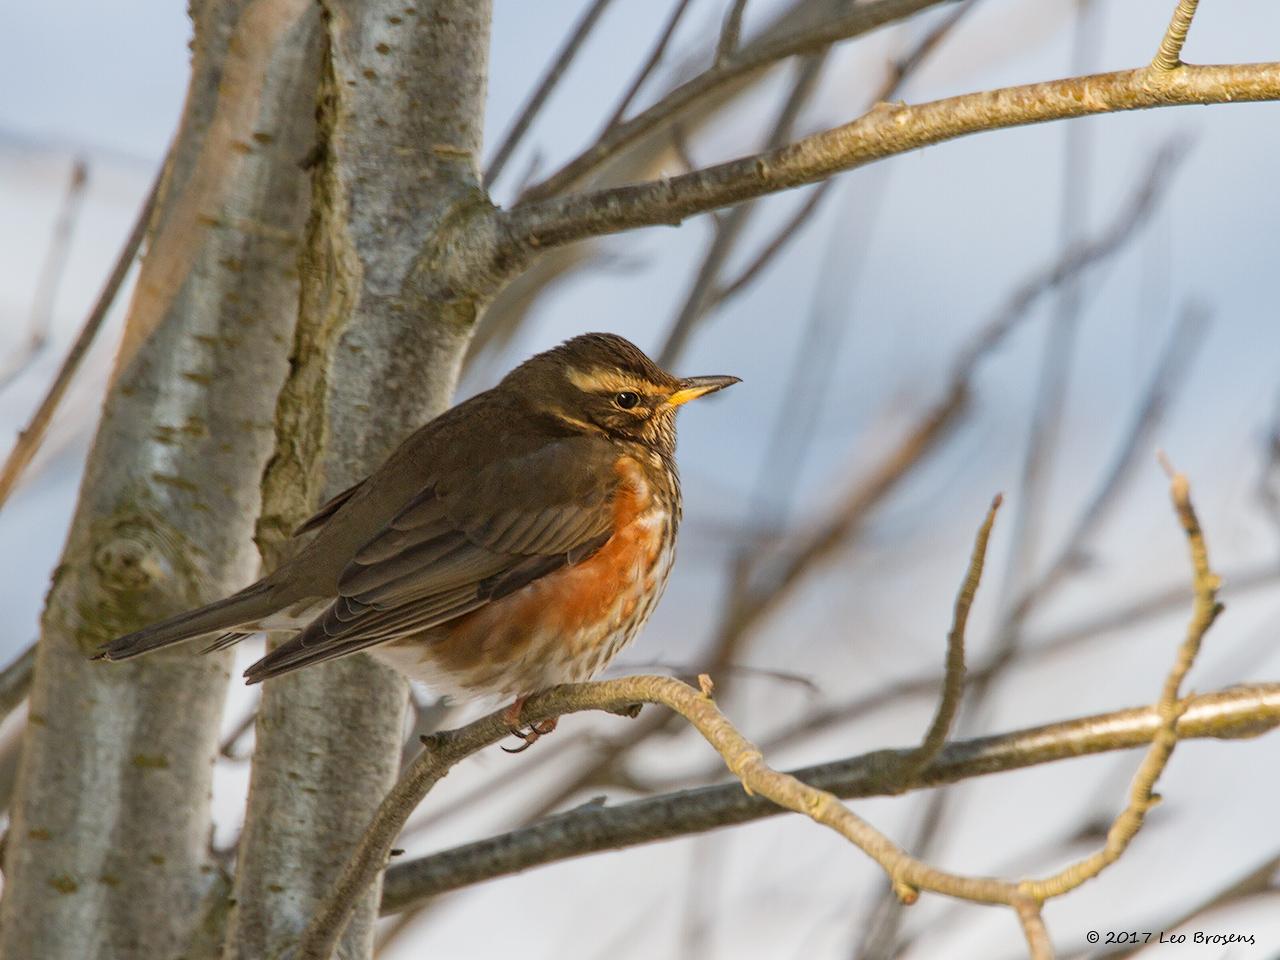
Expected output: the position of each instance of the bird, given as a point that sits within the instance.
(517, 541)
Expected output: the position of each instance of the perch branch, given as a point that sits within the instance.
(1236, 713)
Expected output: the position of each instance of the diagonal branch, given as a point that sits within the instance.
(646, 69)
(520, 126)
(32, 436)
(1169, 56)
(50, 276)
(953, 682)
(730, 32)
(886, 130)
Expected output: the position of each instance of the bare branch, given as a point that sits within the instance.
(564, 57)
(730, 32)
(780, 240)
(1238, 712)
(1033, 929)
(886, 130)
(953, 682)
(647, 68)
(32, 436)
(1169, 709)
(1169, 56)
(15, 681)
(901, 68)
(50, 275)
(702, 294)
(1169, 372)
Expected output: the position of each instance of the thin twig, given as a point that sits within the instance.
(903, 66)
(647, 68)
(702, 293)
(746, 762)
(1169, 373)
(30, 438)
(1049, 400)
(15, 681)
(953, 681)
(50, 275)
(1169, 56)
(730, 32)
(559, 64)
(1046, 421)
(1033, 928)
(229, 743)
(1169, 708)
(774, 246)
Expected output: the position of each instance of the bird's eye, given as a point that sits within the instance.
(626, 399)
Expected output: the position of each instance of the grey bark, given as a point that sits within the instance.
(108, 850)
(396, 269)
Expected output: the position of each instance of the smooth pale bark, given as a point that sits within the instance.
(108, 849)
(390, 293)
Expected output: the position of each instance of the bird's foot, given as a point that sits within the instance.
(534, 732)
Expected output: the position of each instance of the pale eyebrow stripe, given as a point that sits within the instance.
(599, 380)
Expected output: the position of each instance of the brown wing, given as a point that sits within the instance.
(464, 541)
(327, 510)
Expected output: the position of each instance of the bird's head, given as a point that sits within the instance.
(602, 383)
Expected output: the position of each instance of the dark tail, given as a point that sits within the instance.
(250, 604)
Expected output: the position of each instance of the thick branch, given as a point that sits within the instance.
(885, 131)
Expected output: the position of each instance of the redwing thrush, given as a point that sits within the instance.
(517, 541)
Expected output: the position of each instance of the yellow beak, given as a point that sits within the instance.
(691, 388)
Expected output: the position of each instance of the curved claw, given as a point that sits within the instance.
(528, 739)
(535, 732)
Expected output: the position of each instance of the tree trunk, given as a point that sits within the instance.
(108, 848)
(389, 299)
